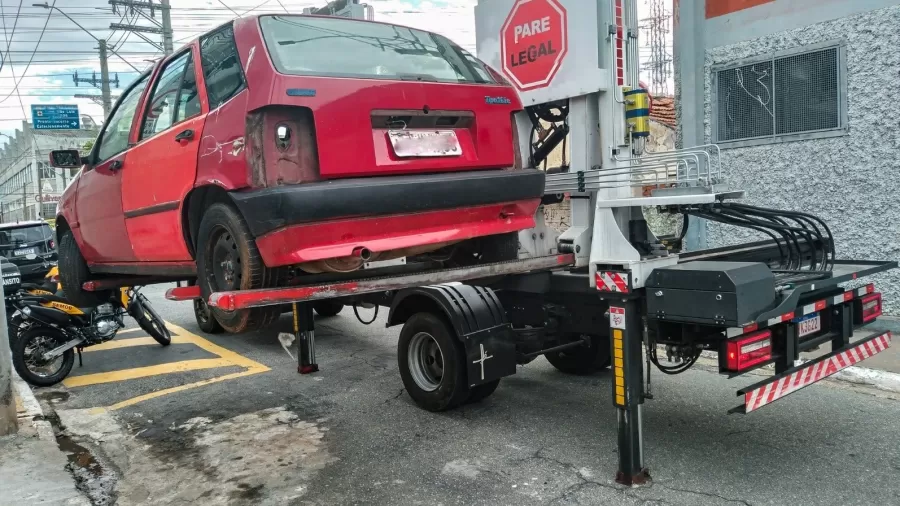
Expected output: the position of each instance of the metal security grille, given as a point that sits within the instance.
(779, 96)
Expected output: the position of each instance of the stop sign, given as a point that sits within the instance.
(533, 42)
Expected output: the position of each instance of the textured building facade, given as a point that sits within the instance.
(826, 74)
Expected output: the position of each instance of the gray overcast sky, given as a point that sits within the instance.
(64, 48)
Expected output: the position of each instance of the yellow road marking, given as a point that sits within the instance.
(143, 372)
(180, 388)
(128, 343)
(225, 358)
(225, 353)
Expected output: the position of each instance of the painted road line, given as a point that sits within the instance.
(227, 356)
(135, 329)
(128, 343)
(143, 372)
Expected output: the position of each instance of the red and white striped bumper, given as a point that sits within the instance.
(769, 391)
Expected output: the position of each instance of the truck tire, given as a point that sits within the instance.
(481, 392)
(432, 363)
(227, 259)
(74, 272)
(582, 360)
(328, 308)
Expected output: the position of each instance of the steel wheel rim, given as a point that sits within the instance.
(426, 361)
(226, 261)
(35, 349)
(202, 310)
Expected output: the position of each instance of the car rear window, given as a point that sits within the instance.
(24, 235)
(334, 47)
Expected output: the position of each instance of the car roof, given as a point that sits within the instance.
(20, 224)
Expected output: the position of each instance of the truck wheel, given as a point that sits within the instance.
(204, 316)
(328, 308)
(481, 392)
(74, 272)
(582, 360)
(227, 259)
(432, 363)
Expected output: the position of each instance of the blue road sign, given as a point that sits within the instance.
(55, 117)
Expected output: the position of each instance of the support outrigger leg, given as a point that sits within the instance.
(304, 332)
(626, 332)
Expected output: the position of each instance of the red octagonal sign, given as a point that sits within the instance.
(533, 42)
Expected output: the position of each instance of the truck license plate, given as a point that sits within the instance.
(809, 324)
(413, 143)
(23, 252)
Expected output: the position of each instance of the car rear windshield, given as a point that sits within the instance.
(334, 47)
(24, 235)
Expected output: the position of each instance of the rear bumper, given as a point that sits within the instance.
(272, 209)
(338, 238)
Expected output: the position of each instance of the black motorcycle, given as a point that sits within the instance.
(49, 330)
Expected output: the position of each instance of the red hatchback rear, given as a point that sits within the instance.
(282, 147)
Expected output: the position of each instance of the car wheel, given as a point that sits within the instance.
(74, 272)
(227, 259)
(432, 363)
(582, 360)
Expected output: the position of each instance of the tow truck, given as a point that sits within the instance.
(606, 292)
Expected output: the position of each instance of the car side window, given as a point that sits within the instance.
(174, 97)
(221, 66)
(114, 138)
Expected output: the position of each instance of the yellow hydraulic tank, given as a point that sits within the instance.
(637, 111)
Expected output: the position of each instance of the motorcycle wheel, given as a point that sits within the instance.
(28, 348)
(146, 317)
(14, 327)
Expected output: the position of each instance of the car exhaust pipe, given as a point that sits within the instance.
(362, 253)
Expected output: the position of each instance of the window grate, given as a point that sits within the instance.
(779, 96)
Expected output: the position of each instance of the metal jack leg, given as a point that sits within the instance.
(304, 332)
(626, 331)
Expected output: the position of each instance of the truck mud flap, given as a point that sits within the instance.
(781, 385)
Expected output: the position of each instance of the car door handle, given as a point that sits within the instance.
(185, 135)
(115, 166)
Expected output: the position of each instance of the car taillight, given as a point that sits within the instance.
(868, 308)
(52, 244)
(748, 351)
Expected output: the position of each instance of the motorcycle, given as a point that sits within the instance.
(49, 331)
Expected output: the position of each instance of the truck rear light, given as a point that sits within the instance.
(869, 307)
(748, 351)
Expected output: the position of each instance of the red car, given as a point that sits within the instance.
(280, 147)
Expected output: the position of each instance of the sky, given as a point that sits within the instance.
(40, 53)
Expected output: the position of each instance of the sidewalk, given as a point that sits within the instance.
(32, 467)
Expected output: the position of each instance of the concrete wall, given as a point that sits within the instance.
(849, 181)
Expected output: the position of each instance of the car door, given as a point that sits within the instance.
(162, 167)
(98, 201)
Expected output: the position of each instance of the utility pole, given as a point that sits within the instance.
(104, 79)
(8, 421)
(139, 7)
(36, 169)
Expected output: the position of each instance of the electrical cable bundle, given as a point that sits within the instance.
(804, 241)
(676, 369)
(540, 146)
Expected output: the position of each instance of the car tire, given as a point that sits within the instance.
(582, 360)
(432, 363)
(204, 316)
(74, 272)
(328, 308)
(227, 259)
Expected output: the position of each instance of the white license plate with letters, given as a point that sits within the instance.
(11, 281)
(430, 143)
(809, 324)
(24, 252)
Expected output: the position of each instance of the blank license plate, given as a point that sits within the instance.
(809, 325)
(23, 252)
(410, 143)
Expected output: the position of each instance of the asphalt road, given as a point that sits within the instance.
(247, 429)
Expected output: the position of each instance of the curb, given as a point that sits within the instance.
(32, 410)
